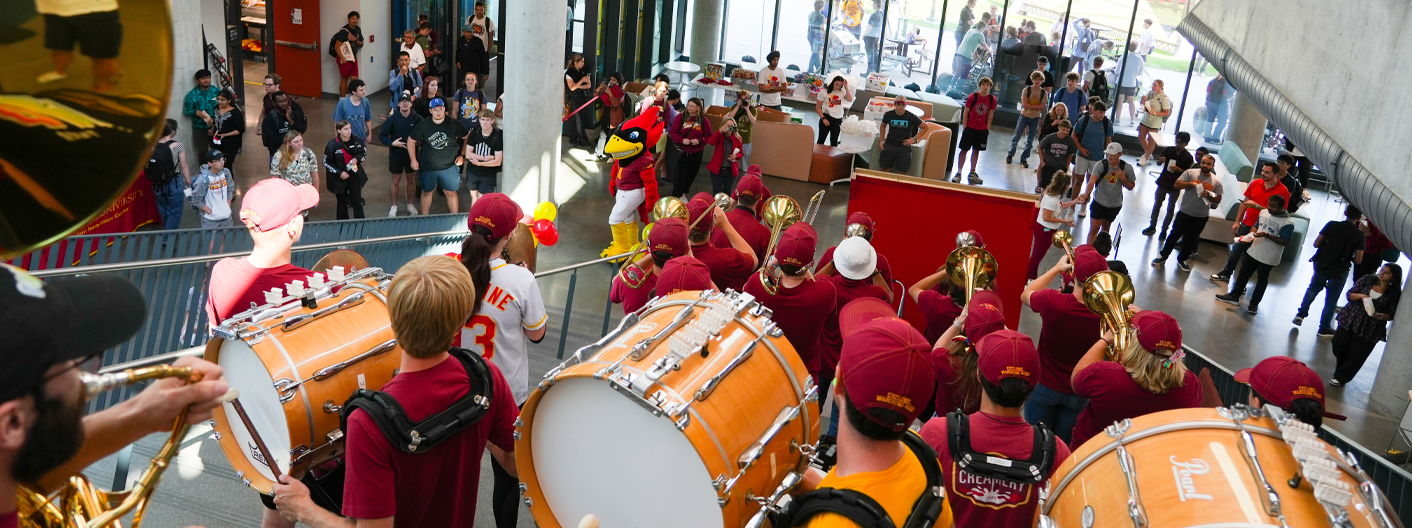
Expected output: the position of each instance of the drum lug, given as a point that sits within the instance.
(517, 436)
(759, 310)
(529, 502)
(524, 488)
(246, 482)
(331, 407)
(285, 387)
(216, 435)
(297, 454)
(239, 474)
(519, 422)
(1046, 521)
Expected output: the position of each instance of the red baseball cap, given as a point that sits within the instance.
(797, 245)
(668, 234)
(973, 235)
(887, 364)
(700, 205)
(495, 212)
(1281, 380)
(749, 185)
(1088, 261)
(861, 311)
(683, 274)
(861, 218)
(1007, 354)
(1157, 331)
(985, 314)
(273, 202)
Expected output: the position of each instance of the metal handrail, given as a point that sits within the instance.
(572, 267)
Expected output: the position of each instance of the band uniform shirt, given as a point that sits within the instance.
(235, 284)
(883, 267)
(940, 310)
(800, 312)
(1193, 203)
(10, 520)
(1113, 396)
(749, 228)
(895, 488)
(831, 340)
(729, 267)
(632, 298)
(984, 501)
(946, 400)
(435, 487)
(1264, 250)
(1069, 329)
(511, 302)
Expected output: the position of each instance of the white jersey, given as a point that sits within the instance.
(511, 302)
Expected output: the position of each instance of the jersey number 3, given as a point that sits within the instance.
(486, 337)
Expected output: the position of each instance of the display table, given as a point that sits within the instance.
(683, 69)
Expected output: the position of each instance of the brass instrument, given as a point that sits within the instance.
(666, 207)
(1065, 241)
(779, 213)
(965, 239)
(79, 502)
(816, 202)
(855, 230)
(971, 268)
(1108, 294)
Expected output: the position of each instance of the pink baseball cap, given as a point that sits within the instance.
(273, 202)
(496, 212)
(887, 364)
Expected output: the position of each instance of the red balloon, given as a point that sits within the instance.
(540, 226)
(550, 235)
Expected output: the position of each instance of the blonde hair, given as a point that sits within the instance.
(429, 301)
(1058, 183)
(286, 151)
(1153, 372)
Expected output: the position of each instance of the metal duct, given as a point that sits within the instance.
(1362, 188)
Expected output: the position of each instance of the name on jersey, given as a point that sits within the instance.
(498, 298)
(1182, 472)
(987, 491)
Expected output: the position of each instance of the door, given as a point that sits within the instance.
(298, 50)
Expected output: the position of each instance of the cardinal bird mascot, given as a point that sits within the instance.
(633, 182)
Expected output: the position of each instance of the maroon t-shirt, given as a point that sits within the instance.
(436, 487)
(630, 177)
(941, 311)
(729, 268)
(946, 397)
(235, 283)
(831, 341)
(883, 266)
(632, 298)
(1069, 331)
(1113, 395)
(984, 501)
(800, 313)
(750, 229)
(10, 520)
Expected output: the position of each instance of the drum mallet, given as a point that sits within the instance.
(233, 398)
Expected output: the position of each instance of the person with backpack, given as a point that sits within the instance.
(211, 191)
(1106, 182)
(1094, 131)
(1032, 107)
(977, 114)
(1010, 460)
(1298, 195)
(1096, 81)
(1071, 95)
(1339, 246)
(345, 174)
(343, 47)
(166, 169)
(286, 116)
(1083, 39)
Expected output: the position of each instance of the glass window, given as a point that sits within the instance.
(845, 34)
(748, 27)
(1026, 46)
(1099, 29)
(1209, 100)
(973, 56)
(800, 37)
(909, 41)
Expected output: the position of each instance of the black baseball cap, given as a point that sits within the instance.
(45, 323)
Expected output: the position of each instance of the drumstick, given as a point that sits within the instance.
(233, 398)
(589, 521)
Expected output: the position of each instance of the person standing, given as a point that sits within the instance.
(1155, 109)
(485, 148)
(966, 52)
(270, 211)
(1148, 40)
(167, 170)
(343, 159)
(800, 302)
(1377, 249)
(744, 114)
(689, 133)
(395, 129)
(772, 81)
(1201, 192)
(1267, 245)
(211, 192)
(1107, 181)
(417, 57)
(199, 104)
(431, 89)
(1289, 384)
(1051, 218)
(1298, 194)
(902, 130)
(977, 114)
(1033, 100)
(344, 51)
(965, 21)
(483, 29)
(853, 270)
(404, 80)
(286, 116)
(725, 156)
(1257, 197)
(958, 384)
(872, 37)
(1095, 81)
(831, 105)
(818, 32)
(435, 148)
(227, 126)
(745, 216)
(469, 101)
(356, 109)
(1339, 246)
(1363, 321)
(272, 87)
(634, 287)
(94, 27)
(294, 162)
(730, 266)
(1094, 132)
(1068, 326)
(1129, 69)
(1057, 152)
(1217, 108)
(578, 92)
(1071, 95)
(1148, 377)
(1175, 161)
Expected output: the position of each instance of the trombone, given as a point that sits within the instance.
(779, 213)
(1065, 241)
(972, 268)
(1108, 294)
(666, 207)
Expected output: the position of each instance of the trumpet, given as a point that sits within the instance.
(1108, 294)
(666, 207)
(79, 502)
(1065, 241)
(971, 268)
(781, 212)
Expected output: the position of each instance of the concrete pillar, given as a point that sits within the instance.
(1247, 128)
(187, 57)
(534, 89)
(1394, 373)
(706, 30)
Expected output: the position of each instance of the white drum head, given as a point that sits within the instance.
(595, 451)
(244, 371)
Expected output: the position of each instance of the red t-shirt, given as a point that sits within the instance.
(800, 313)
(235, 283)
(984, 501)
(632, 298)
(1257, 192)
(436, 487)
(10, 520)
(831, 340)
(1069, 331)
(1113, 395)
(750, 229)
(978, 112)
(883, 266)
(946, 397)
(729, 268)
(630, 177)
(941, 311)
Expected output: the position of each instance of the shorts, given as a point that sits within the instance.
(480, 182)
(1097, 211)
(1128, 91)
(973, 138)
(348, 69)
(899, 158)
(399, 162)
(1081, 167)
(449, 178)
(99, 34)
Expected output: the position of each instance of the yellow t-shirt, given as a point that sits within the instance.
(895, 488)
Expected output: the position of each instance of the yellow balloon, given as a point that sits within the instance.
(546, 211)
(646, 230)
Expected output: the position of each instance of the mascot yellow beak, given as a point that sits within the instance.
(620, 148)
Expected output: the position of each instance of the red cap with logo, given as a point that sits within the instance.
(1088, 261)
(1007, 354)
(985, 314)
(496, 212)
(797, 244)
(699, 206)
(749, 185)
(861, 218)
(273, 202)
(1281, 380)
(887, 364)
(668, 234)
(683, 274)
(861, 311)
(1157, 331)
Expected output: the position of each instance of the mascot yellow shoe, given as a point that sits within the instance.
(624, 238)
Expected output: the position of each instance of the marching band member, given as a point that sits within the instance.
(745, 216)
(1148, 377)
(430, 300)
(1289, 384)
(272, 211)
(939, 299)
(730, 266)
(508, 299)
(854, 275)
(684, 274)
(954, 354)
(800, 303)
(868, 229)
(1068, 332)
(667, 241)
(989, 492)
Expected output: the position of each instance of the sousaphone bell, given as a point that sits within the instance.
(972, 268)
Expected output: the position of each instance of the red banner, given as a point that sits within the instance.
(135, 208)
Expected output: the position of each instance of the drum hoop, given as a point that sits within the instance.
(1164, 428)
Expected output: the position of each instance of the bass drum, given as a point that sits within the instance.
(294, 372)
(1190, 469)
(694, 404)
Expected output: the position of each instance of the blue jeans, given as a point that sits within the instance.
(1031, 123)
(1057, 410)
(170, 203)
(1332, 286)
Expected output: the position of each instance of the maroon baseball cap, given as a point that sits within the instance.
(985, 314)
(1088, 261)
(700, 205)
(684, 273)
(273, 202)
(495, 212)
(797, 245)
(1281, 380)
(887, 364)
(976, 236)
(1007, 354)
(749, 185)
(668, 234)
(1157, 331)
(861, 218)
(861, 311)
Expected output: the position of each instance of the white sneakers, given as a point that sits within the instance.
(51, 76)
(393, 212)
(411, 211)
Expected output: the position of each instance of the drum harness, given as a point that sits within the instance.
(866, 511)
(422, 436)
(1031, 471)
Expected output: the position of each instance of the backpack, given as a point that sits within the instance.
(161, 165)
(422, 436)
(1031, 471)
(1085, 122)
(1085, 40)
(1099, 88)
(866, 511)
(333, 43)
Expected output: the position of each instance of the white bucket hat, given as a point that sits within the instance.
(855, 258)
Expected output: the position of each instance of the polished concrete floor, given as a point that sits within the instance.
(205, 490)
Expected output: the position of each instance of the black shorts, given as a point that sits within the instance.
(327, 492)
(899, 158)
(973, 138)
(100, 35)
(1127, 91)
(399, 162)
(480, 182)
(1098, 211)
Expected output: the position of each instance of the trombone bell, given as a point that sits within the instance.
(1108, 294)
